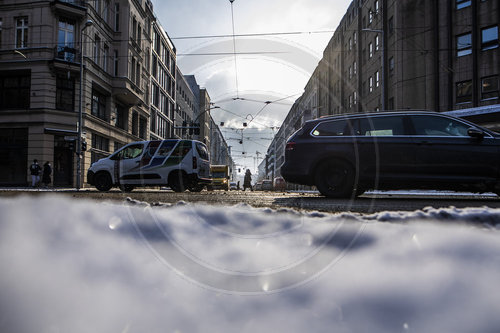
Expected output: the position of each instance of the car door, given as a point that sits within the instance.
(445, 152)
(386, 151)
(128, 163)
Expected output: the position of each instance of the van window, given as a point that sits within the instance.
(128, 152)
(182, 149)
(202, 151)
(166, 148)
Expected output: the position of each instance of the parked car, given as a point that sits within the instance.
(258, 186)
(179, 164)
(233, 186)
(348, 154)
(267, 185)
(279, 184)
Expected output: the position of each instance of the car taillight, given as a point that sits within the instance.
(195, 162)
(290, 146)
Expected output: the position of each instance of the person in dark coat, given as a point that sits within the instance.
(247, 181)
(47, 171)
(35, 169)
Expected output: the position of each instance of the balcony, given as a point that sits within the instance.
(72, 8)
(126, 91)
(66, 58)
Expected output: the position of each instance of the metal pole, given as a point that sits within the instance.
(383, 70)
(80, 118)
(80, 115)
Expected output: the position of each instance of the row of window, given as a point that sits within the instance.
(489, 89)
(21, 32)
(489, 40)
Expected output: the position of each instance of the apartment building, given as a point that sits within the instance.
(186, 109)
(406, 54)
(128, 82)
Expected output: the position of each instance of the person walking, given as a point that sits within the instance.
(35, 173)
(47, 171)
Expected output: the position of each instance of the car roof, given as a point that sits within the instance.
(373, 113)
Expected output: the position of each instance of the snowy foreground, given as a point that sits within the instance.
(76, 266)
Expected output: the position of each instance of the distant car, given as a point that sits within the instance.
(233, 186)
(279, 184)
(258, 186)
(347, 154)
(267, 185)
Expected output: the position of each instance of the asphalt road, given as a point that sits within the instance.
(368, 203)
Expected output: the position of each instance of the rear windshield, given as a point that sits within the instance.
(202, 150)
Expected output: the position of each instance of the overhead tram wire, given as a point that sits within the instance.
(234, 51)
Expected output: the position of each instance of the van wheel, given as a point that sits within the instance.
(335, 179)
(102, 181)
(127, 188)
(177, 182)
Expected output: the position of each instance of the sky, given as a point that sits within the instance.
(98, 266)
(268, 66)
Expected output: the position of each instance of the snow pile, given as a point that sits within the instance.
(75, 266)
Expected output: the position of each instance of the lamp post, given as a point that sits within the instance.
(383, 62)
(80, 114)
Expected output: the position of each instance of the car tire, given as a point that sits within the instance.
(102, 181)
(127, 188)
(177, 182)
(335, 179)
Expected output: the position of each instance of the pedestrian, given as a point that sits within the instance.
(35, 173)
(47, 171)
(247, 180)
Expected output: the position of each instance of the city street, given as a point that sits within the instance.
(370, 202)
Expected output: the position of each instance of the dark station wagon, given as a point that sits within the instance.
(343, 156)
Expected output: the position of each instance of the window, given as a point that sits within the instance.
(66, 40)
(376, 43)
(438, 126)
(350, 44)
(97, 45)
(121, 117)
(0, 33)
(355, 38)
(65, 93)
(464, 45)
(391, 65)
(334, 128)
(370, 84)
(355, 97)
(464, 92)
(390, 25)
(99, 105)
(21, 32)
(132, 70)
(97, 6)
(135, 123)
(489, 38)
(105, 56)
(489, 87)
(105, 13)
(134, 28)
(391, 104)
(143, 127)
(381, 126)
(138, 75)
(463, 3)
(117, 16)
(350, 72)
(115, 62)
(370, 50)
(377, 79)
(100, 147)
(377, 7)
(370, 16)
(355, 68)
(15, 89)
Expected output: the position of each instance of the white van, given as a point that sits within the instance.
(179, 164)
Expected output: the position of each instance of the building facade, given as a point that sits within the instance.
(405, 54)
(128, 82)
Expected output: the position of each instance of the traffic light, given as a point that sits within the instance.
(84, 145)
(71, 145)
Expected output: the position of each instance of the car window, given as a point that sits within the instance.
(333, 128)
(202, 150)
(131, 151)
(166, 147)
(182, 149)
(438, 126)
(381, 126)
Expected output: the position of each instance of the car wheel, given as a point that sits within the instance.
(102, 181)
(335, 179)
(127, 188)
(177, 182)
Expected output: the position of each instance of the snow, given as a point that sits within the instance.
(82, 266)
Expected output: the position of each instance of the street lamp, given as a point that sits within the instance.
(80, 114)
(383, 62)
